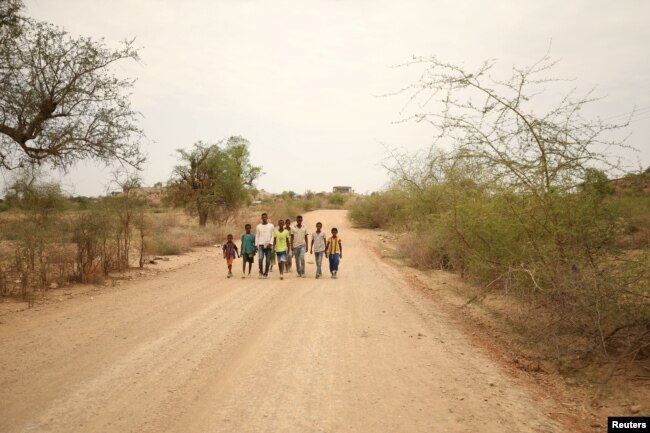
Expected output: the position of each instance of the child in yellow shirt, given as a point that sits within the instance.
(334, 251)
(281, 244)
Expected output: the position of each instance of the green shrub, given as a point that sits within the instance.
(9, 234)
(165, 246)
(336, 199)
(562, 250)
(380, 210)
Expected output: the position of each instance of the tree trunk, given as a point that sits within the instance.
(141, 248)
(203, 217)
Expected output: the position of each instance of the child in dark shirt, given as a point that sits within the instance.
(230, 253)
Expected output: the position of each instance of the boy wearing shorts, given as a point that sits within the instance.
(281, 244)
(248, 250)
(230, 253)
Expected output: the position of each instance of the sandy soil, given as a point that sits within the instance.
(190, 351)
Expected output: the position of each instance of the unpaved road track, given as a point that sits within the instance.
(192, 351)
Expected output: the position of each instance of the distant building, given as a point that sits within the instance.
(342, 189)
(153, 195)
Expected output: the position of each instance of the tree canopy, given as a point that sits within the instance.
(213, 179)
(501, 124)
(59, 99)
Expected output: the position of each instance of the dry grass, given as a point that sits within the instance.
(166, 233)
(176, 233)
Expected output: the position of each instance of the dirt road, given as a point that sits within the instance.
(192, 351)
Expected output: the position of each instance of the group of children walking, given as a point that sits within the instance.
(282, 245)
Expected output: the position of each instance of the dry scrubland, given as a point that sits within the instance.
(566, 279)
(550, 322)
(50, 241)
(28, 268)
(192, 351)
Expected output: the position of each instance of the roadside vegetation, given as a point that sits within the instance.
(288, 204)
(520, 202)
(62, 103)
(49, 239)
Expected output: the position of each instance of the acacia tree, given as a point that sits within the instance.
(519, 196)
(59, 100)
(499, 124)
(502, 127)
(127, 207)
(213, 180)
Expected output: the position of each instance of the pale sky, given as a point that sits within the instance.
(300, 79)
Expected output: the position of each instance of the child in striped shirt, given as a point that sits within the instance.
(334, 251)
